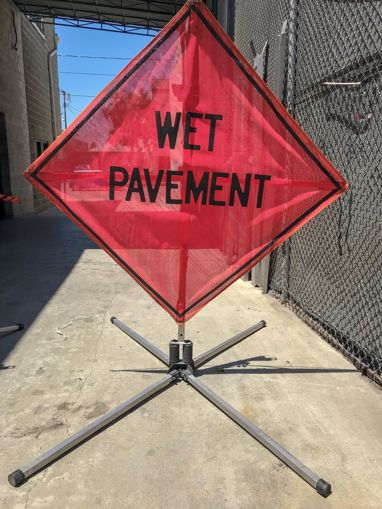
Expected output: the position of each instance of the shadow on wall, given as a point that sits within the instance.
(36, 255)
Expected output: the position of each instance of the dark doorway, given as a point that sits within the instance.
(5, 181)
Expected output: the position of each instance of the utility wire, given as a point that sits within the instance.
(87, 73)
(74, 109)
(96, 56)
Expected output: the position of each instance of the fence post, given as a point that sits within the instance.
(220, 10)
(262, 269)
(260, 62)
(289, 104)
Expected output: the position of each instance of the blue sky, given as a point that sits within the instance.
(80, 41)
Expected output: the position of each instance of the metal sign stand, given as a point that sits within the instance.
(179, 369)
(12, 328)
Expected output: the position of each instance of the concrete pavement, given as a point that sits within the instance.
(71, 365)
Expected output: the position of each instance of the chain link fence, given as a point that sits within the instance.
(330, 272)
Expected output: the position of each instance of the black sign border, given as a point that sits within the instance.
(337, 187)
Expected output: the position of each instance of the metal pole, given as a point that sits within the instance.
(292, 54)
(263, 271)
(154, 350)
(221, 13)
(289, 104)
(12, 328)
(215, 8)
(181, 331)
(65, 105)
(260, 64)
(51, 54)
(229, 343)
(322, 486)
(281, 63)
(19, 476)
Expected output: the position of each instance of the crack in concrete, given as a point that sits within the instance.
(32, 486)
(27, 497)
(90, 374)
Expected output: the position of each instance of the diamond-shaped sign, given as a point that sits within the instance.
(186, 169)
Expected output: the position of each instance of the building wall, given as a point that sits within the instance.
(42, 124)
(25, 102)
(13, 104)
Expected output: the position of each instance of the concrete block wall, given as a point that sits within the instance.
(25, 99)
(36, 47)
(13, 104)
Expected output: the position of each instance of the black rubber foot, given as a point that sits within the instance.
(323, 488)
(16, 478)
(20, 326)
(264, 323)
(113, 318)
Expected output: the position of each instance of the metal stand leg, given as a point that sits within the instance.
(19, 476)
(322, 486)
(157, 352)
(12, 328)
(179, 368)
(229, 343)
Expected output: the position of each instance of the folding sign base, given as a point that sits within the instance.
(179, 369)
(11, 328)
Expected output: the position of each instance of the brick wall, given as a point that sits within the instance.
(13, 104)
